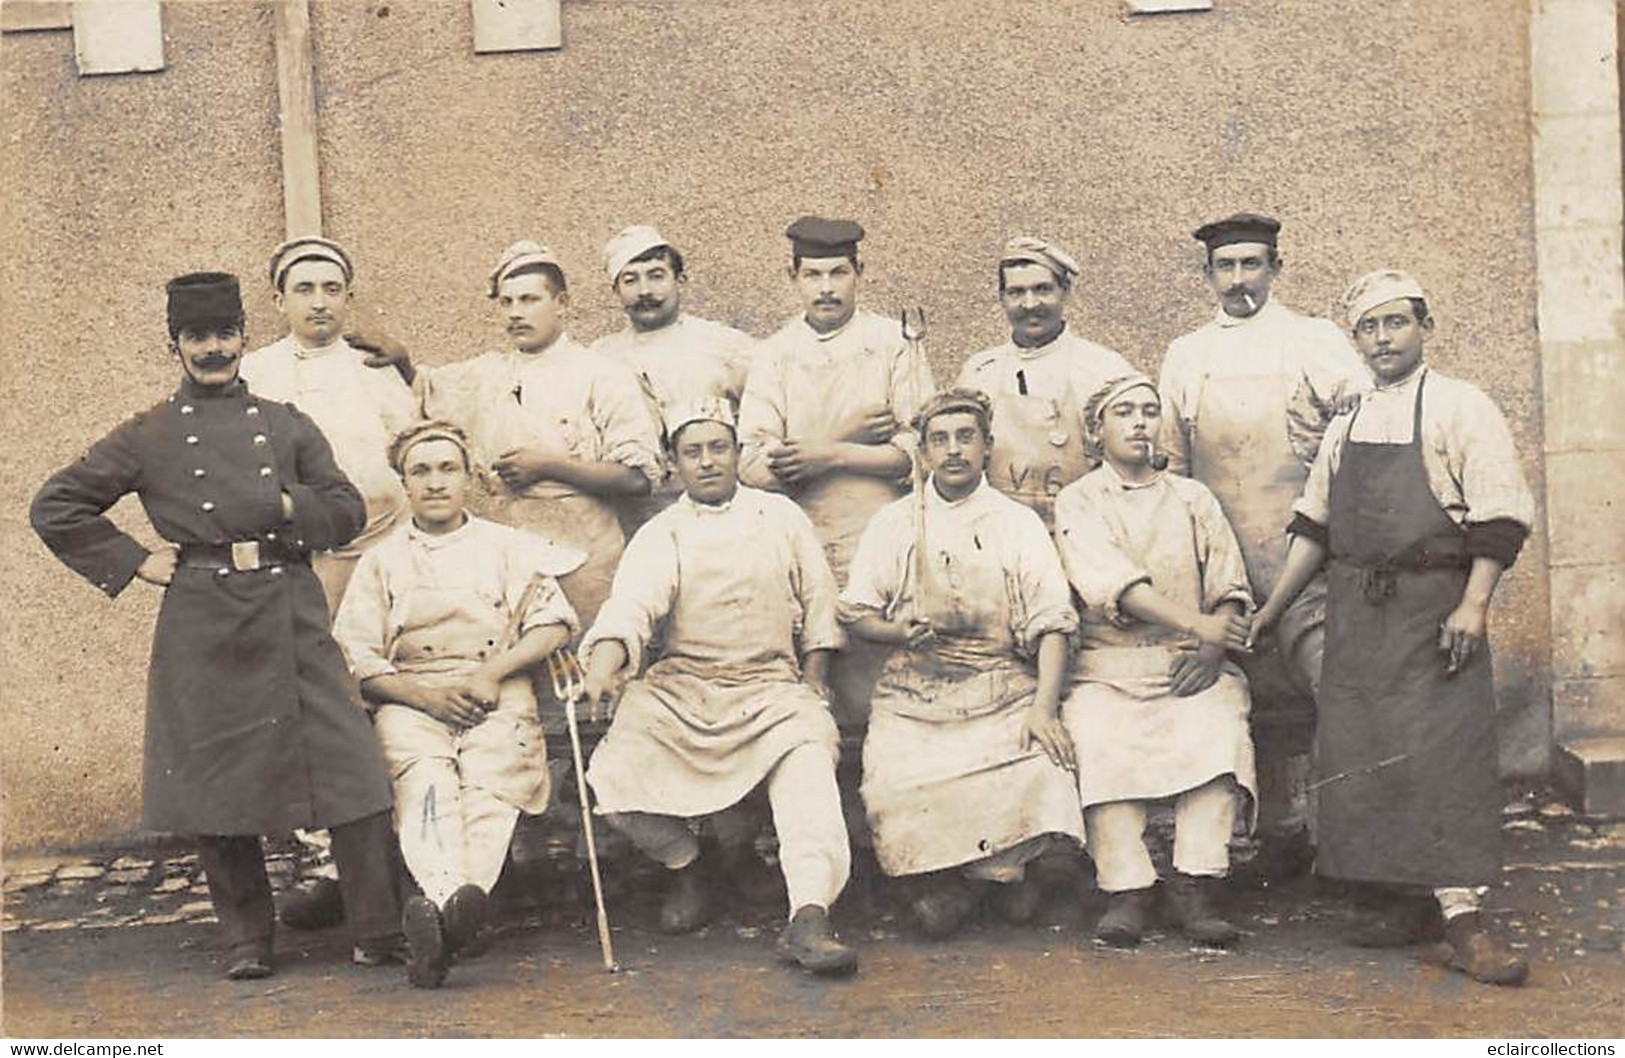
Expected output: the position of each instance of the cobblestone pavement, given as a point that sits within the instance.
(123, 946)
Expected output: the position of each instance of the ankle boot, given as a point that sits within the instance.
(1123, 924)
(1478, 955)
(1191, 901)
(687, 905)
(810, 942)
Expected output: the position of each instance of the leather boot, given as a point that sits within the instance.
(687, 906)
(1396, 921)
(1478, 955)
(943, 905)
(249, 961)
(315, 903)
(426, 941)
(464, 917)
(1018, 902)
(809, 942)
(1190, 899)
(1123, 924)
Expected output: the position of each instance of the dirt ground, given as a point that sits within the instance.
(85, 964)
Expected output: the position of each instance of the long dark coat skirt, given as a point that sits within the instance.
(253, 726)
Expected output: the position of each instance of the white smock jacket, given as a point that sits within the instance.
(562, 399)
(434, 607)
(1038, 399)
(678, 365)
(946, 780)
(812, 387)
(1135, 739)
(359, 409)
(738, 594)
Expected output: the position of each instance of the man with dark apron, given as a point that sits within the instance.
(252, 726)
(1418, 501)
(1039, 379)
(1246, 398)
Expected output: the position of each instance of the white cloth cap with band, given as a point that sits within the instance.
(1033, 250)
(518, 255)
(631, 243)
(1378, 288)
(1105, 396)
(294, 250)
(704, 409)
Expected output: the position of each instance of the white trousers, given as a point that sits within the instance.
(1203, 818)
(814, 852)
(452, 834)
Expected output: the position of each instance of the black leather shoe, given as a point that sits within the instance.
(1190, 899)
(687, 906)
(1480, 956)
(249, 962)
(425, 941)
(1123, 924)
(1018, 902)
(316, 903)
(943, 905)
(463, 918)
(809, 942)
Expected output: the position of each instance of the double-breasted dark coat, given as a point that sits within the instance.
(252, 723)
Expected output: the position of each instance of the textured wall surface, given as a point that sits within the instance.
(1381, 134)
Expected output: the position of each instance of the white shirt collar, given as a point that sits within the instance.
(1037, 352)
(825, 336)
(1270, 310)
(305, 352)
(937, 500)
(1404, 385)
(434, 541)
(1130, 486)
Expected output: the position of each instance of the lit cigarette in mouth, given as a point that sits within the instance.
(1252, 306)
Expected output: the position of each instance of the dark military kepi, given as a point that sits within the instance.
(252, 726)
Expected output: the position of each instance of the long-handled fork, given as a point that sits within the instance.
(569, 686)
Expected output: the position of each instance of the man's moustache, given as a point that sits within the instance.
(209, 363)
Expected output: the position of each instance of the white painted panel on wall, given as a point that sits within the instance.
(1157, 7)
(516, 25)
(18, 16)
(118, 36)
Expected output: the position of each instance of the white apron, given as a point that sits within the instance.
(946, 780)
(1135, 740)
(708, 721)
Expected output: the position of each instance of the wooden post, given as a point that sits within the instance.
(296, 90)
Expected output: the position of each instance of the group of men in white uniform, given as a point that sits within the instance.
(1036, 588)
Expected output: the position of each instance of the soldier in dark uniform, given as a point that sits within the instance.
(252, 727)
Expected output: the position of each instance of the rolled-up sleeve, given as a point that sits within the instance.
(1484, 462)
(1041, 582)
(362, 624)
(643, 592)
(533, 561)
(762, 419)
(620, 414)
(1095, 566)
(875, 578)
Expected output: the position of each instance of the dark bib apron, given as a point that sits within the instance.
(1408, 756)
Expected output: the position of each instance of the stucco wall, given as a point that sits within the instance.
(1380, 136)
